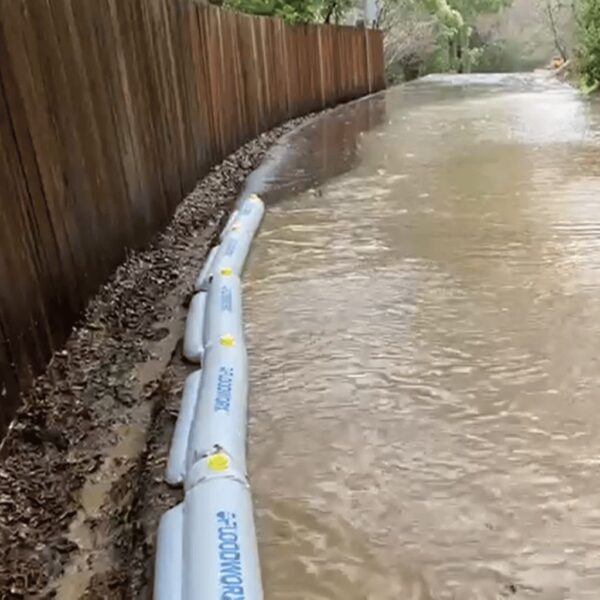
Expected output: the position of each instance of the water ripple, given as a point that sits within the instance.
(425, 332)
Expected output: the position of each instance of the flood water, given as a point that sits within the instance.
(423, 313)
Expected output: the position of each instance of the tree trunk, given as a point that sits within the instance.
(557, 42)
(329, 12)
(453, 53)
(465, 62)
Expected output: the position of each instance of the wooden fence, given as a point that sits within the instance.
(110, 111)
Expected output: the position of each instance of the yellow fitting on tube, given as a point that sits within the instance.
(218, 462)
(228, 341)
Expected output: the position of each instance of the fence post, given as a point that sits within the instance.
(321, 68)
(368, 51)
(285, 63)
(267, 76)
(224, 121)
(259, 77)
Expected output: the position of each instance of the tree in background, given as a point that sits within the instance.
(527, 35)
(432, 35)
(295, 11)
(333, 11)
(588, 18)
(410, 37)
(470, 11)
(552, 9)
(423, 36)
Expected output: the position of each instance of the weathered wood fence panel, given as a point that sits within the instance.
(110, 111)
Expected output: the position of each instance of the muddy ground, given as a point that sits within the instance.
(81, 468)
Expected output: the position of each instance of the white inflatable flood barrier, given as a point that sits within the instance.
(223, 308)
(193, 339)
(242, 223)
(235, 245)
(206, 545)
(169, 555)
(220, 418)
(176, 464)
(203, 278)
(230, 221)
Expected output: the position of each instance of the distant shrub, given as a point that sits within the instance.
(503, 56)
(589, 43)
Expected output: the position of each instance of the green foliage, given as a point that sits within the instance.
(455, 25)
(294, 11)
(503, 56)
(439, 61)
(589, 49)
(449, 19)
(471, 9)
(333, 11)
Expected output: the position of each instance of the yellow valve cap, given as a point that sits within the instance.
(227, 340)
(254, 198)
(218, 462)
(226, 271)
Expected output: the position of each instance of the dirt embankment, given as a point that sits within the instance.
(81, 467)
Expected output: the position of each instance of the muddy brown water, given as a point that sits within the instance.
(423, 313)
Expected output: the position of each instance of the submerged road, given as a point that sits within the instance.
(423, 310)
